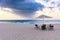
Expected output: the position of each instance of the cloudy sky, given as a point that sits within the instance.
(28, 9)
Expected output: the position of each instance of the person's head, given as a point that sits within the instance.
(44, 24)
(50, 24)
(36, 25)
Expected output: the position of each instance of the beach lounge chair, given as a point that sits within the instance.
(36, 26)
(51, 27)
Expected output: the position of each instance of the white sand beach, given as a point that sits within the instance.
(13, 31)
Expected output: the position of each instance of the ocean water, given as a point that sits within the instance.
(31, 21)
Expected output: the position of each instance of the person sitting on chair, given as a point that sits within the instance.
(51, 27)
(36, 26)
(43, 27)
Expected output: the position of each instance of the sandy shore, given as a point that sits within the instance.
(10, 31)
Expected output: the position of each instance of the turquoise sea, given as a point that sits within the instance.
(31, 21)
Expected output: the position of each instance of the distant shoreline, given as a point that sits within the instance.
(31, 21)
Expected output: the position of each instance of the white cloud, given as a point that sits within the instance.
(49, 4)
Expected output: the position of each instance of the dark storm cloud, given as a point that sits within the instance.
(23, 8)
